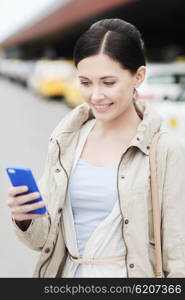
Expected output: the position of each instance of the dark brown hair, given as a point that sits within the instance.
(116, 38)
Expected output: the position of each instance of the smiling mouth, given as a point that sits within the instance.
(102, 107)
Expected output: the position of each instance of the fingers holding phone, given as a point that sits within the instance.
(20, 206)
(25, 201)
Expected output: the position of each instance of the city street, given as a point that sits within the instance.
(26, 123)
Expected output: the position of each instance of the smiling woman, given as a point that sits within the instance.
(108, 90)
(112, 92)
(96, 182)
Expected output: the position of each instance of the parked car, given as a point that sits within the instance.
(24, 69)
(163, 81)
(72, 94)
(173, 113)
(48, 77)
(8, 68)
(16, 69)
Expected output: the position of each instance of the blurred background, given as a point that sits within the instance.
(38, 83)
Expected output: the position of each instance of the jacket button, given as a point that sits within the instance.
(131, 266)
(57, 170)
(126, 221)
(59, 210)
(138, 139)
(148, 147)
(47, 250)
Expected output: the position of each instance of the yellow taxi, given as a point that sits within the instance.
(72, 94)
(48, 77)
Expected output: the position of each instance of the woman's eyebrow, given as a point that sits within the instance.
(104, 77)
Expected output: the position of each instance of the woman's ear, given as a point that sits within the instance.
(140, 76)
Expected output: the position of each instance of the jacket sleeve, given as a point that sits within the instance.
(36, 234)
(173, 211)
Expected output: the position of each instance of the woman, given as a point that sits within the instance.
(96, 181)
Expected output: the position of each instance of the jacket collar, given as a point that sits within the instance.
(150, 124)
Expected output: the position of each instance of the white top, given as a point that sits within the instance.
(92, 221)
(93, 193)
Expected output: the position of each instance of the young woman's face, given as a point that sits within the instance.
(106, 86)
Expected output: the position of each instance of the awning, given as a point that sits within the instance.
(69, 14)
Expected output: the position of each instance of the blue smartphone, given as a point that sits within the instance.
(23, 176)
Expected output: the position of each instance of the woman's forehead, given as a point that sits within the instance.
(101, 58)
(103, 77)
(99, 66)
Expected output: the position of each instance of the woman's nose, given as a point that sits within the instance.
(96, 95)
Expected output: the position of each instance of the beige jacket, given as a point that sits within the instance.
(46, 234)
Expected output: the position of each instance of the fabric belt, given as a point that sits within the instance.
(108, 260)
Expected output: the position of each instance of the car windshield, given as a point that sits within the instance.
(167, 79)
(161, 79)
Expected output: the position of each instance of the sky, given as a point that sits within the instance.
(15, 13)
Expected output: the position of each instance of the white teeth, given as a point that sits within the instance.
(102, 106)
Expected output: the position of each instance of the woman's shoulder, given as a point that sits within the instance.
(170, 152)
(171, 141)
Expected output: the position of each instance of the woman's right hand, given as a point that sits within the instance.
(19, 206)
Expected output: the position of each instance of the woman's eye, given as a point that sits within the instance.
(84, 82)
(109, 83)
